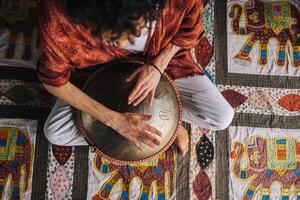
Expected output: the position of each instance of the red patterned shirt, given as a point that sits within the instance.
(66, 46)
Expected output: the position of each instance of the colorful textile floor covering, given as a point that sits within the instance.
(24, 104)
(258, 72)
(249, 52)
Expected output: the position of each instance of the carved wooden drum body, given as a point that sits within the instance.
(108, 86)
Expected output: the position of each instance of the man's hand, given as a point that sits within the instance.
(132, 127)
(148, 76)
(148, 79)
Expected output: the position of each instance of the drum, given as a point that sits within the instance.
(108, 86)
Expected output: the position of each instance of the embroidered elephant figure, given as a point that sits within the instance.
(268, 160)
(266, 20)
(19, 17)
(15, 161)
(158, 174)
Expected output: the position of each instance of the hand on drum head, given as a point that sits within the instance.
(147, 81)
(132, 127)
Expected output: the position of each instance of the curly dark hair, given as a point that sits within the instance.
(117, 16)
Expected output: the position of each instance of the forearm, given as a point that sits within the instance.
(75, 97)
(165, 56)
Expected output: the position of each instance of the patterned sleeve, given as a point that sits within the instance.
(191, 27)
(54, 67)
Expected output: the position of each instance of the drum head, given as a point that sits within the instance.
(108, 86)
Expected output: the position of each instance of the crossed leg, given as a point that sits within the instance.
(203, 105)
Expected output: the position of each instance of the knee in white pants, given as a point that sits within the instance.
(215, 118)
(225, 117)
(50, 132)
(47, 133)
(59, 131)
(203, 104)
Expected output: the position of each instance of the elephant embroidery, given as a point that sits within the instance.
(266, 20)
(19, 16)
(268, 161)
(158, 174)
(15, 161)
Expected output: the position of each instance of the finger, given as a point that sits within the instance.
(141, 98)
(149, 139)
(148, 142)
(151, 99)
(138, 94)
(154, 130)
(136, 72)
(135, 90)
(137, 143)
(145, 117)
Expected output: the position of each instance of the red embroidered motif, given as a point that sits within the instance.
(61, 153)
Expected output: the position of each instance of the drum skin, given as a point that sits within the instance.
(108, 86)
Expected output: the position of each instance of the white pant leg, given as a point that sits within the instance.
(60, 127)
(203, 104)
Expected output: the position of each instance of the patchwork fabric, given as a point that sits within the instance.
(8, 142)
(23, 147)
(14, 92)
(261, 100)
(154, 179)
(202, 171)
(262, 37)
(202, 181)
(264, 163)
(60, 172)
(204, 54)
(76, 172)
(17, 143)
(202, 186)
(205, 151)
(255, 66)
(260, 80)
(19, 35)
(281, 154)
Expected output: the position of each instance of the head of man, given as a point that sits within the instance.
(115, 21)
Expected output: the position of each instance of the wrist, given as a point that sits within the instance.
(165, 56)
(107, 117)
(159, 65)
(156, 67)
